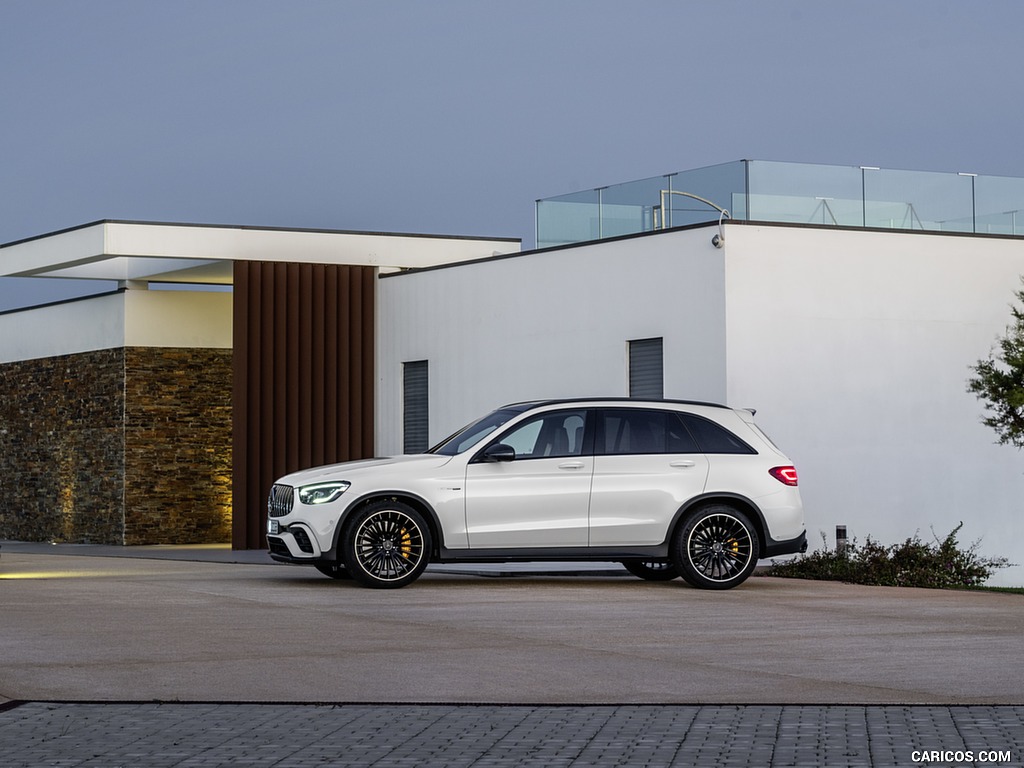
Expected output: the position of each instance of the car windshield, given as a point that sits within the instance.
(470, 435)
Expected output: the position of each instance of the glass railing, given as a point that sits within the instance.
(756, 190)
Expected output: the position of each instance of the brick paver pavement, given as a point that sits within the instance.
(161, 735)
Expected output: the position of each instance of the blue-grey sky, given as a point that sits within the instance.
(453, 116)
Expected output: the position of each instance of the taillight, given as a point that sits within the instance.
(785, 475)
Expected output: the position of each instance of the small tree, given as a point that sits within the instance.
(999, 381)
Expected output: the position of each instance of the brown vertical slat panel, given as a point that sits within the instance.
(293, 425)
(257, 322)
(317, 340)
(330, 354)
(240, 407)
(256, 386)
(304, 359)
(268, 387)
(353, 352)
(303, 377)
(257, 392)
(344, 365)
(279, 405)
(368, 365)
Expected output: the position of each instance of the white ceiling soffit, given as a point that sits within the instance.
(137, 268)
(190, 253)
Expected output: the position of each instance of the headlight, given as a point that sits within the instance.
(322, 493)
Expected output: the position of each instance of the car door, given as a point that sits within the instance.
(646, 465)
(541, 497)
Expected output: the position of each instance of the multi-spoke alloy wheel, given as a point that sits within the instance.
(652, 570)
(716, 548)
(386, 545)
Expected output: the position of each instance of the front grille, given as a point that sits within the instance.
(280, 502)
(301, 539)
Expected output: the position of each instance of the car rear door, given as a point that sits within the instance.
(646, 466)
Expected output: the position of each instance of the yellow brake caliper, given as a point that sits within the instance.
(406, 543)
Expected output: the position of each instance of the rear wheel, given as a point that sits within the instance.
(386, 545)
(652, 570)
(716, 547)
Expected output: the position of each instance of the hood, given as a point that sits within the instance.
(349, 469)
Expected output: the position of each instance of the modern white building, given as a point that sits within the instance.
(144, 415)
(854, 343)
(845, 304)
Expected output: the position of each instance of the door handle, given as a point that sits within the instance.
(683, 464)
(571, 465)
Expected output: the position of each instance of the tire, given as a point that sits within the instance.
(385, 545)
(652, 570)
(716, 547)
(334, 570)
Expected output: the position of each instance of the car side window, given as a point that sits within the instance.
(713, 438)
(638, 431)
(549, 435)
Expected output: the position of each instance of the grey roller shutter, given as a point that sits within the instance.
(646, 369)
(415, 416)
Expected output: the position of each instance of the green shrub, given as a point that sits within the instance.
(914, 563)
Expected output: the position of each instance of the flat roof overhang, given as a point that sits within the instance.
(150, 251)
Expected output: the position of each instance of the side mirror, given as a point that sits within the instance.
(498, 452)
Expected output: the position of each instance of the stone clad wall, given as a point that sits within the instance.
(117, 446)
(177, 446)
(62, 448)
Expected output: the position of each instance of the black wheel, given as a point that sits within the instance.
(716, 547)
(334, 570)
(652, 570)
(385, 545)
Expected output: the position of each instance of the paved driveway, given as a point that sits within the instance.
(119, 629)
(493, 736)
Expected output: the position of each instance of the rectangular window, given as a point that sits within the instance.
(646, 369)
(548, 436)
(415, 415)
(624, 431)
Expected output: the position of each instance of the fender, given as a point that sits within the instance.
(420, 503)
(745, 504)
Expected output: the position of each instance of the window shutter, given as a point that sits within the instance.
(415, 416)
(646, 369)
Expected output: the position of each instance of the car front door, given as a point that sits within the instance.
(539, 498)
(646, 466)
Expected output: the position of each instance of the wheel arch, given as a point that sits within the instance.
(741, 503)
(410, 499)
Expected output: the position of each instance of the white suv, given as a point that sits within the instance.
(667, 488)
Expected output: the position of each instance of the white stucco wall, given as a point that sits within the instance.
(855, 347)
(83, 325)
(551, 324)
(193, 319)
(138, 318)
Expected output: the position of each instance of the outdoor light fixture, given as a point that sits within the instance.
(718, 240)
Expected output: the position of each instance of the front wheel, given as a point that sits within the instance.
(652, 570)
(716, 547)
(385, 545)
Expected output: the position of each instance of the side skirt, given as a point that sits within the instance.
(552, 554)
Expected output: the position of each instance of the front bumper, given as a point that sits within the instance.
(294, 544)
